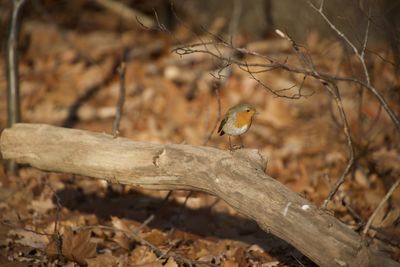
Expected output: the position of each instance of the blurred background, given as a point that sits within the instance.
(69, 52)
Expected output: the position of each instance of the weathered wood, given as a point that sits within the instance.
(238, 178)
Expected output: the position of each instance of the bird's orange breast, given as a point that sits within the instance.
(243, 119)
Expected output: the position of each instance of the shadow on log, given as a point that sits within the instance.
(238, 178)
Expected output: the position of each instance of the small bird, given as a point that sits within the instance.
(237, 121)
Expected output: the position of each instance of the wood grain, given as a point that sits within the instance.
(238, 178)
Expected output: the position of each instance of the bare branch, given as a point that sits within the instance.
(276, 64)
(383, 201)
(347, 40)
(334, 91)
(365, 43)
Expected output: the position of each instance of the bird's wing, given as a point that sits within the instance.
(221, 125)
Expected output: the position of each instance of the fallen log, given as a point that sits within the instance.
(236, 177)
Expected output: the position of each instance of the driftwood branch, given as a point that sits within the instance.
(236, 177)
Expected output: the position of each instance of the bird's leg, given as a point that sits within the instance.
(230, 144)
(235, 147)
(241, 142)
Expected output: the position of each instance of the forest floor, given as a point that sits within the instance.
(68, 78)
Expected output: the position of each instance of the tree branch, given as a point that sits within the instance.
(238, 178)
(274, 64)
(380, 206)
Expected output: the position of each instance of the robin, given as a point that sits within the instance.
(237, 121)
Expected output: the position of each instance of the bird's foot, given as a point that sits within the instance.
(236, 147)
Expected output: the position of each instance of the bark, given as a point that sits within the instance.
(236, 177)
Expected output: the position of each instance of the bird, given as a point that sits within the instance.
(237, 121)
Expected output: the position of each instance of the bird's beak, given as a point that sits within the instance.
(257, 113)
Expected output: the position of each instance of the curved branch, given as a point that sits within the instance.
(238, 178)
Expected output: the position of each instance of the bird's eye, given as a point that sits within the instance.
(247, 110)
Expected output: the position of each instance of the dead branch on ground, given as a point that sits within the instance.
(238, 178)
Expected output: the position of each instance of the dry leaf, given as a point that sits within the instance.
(75, 246)
(30, 238)
(103, 260)
(122, 240)
(270, 264)
(42, 206)
(142, 255)
(120, 224)
(229, 263)
(155, 237)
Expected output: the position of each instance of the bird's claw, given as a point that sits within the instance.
(236, 147)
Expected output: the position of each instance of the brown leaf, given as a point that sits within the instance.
(122, 240)
(120, 224)
(75, 246)
(229, 263)
(142, 255)
(42, 206)
(155, 237)
(30, 238)
(103, 260)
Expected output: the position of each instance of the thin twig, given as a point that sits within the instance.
(144, 224)
(276, 64)
(347, 40)
(121, 99)
(366, 35)
(334, 91)
(380, 206)
(55, 236)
